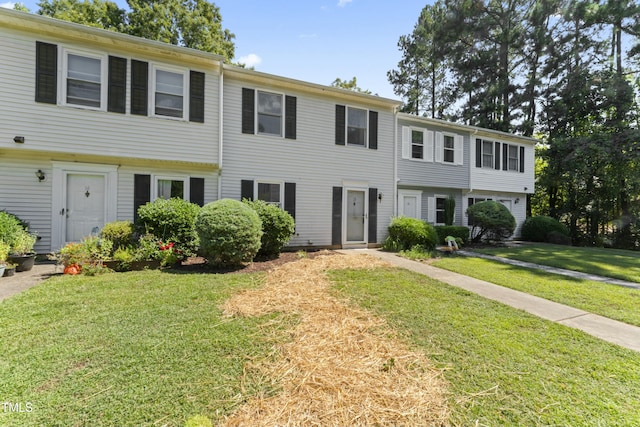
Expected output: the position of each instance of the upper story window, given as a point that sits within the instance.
(356, 126)
(417, 144)
(487, 154)
(101, 82)
(512, 158)
(448, 146)
(169, 93)
(84, 80)
(500, 156)
(270, 113)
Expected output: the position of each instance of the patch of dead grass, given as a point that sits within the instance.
(343, 366)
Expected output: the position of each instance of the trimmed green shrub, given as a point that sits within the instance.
(490, 220)
(171, 220)
(119, 232)
(277, 227)
(10, 228)
(459, 232)
(544, 229)
(405, 233)
(230, 232)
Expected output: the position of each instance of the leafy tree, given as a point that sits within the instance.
(195, 24)
(192, 23)
(95, 13)
(349, 85)
(490, 220)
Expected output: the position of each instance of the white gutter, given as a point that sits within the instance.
(395, 161)
(220, 126)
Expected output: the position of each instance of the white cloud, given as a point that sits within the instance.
(8, 5)
(343, 3)
(250, 60)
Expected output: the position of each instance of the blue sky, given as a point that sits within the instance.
(318, 40)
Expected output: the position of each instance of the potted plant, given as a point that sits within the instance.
(21, 252)
(10, 269)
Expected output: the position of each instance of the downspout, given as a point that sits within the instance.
(220, 126)
(395, 161)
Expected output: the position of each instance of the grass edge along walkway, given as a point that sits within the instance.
(613, 331)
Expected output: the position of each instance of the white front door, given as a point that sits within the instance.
(410, 203)
(84, 199)
(85, 205)
(356, 216)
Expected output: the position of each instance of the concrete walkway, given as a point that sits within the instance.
(604, 328)
(10, 286)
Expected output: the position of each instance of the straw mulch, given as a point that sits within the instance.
(343, 366)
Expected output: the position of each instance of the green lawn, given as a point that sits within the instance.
(129, 349)
(505, 367)
(619, 264)
(615, 302)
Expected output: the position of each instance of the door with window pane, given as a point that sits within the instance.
(356, 216)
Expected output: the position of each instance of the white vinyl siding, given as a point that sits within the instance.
(315, 163)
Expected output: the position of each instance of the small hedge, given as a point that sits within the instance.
(171, 220)
(118, 232)
(490, 220)
(544, 229)
(230, 232)
(458, 232)
(405, 233)
(277, 227)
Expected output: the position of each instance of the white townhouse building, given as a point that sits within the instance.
(94, 124)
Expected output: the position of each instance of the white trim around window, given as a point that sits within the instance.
(170, 89)
(266, 189)
(410, 148)
(269, 113)
(357, 130)
(162, 186)
(83, 79)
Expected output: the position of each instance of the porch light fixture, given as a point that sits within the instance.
(40, 175)
(517, 200)
(380, 196)
(18, 139)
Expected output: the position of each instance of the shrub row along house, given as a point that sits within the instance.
(94, 124)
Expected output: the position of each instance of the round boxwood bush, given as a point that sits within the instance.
(277, 227)
(119, 232)
(171, 220)
(230, 232)
(405, 233)
(543, 229)
(491, 220)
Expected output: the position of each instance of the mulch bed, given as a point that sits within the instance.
(200, 265)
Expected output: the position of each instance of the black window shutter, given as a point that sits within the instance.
(141, 192)
(290, 118)
(373, 130)
(117, 94)
(290, 198)
(496, 155)
(478, 153)
(46, 72)
(248, 110)
(336, 217)
(521, 159)
(373, 215)
(196, 191)
(340, 124)
(246, 189)
(505, 157)
(196, 97)
(139, 87)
